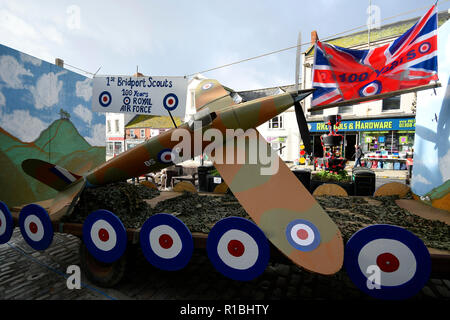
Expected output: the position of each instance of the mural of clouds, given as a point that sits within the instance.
(97, 137)
(11, 72)
(84, 89)
(30, 59)
(25, 127)
(2, 100)
(84, 113)
(46, 91)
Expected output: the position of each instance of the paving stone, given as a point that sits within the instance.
(447, 283)
(428, 292)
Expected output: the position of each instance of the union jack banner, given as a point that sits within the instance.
(341, 74)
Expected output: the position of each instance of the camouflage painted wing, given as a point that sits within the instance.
(210, 93)
(280, 205)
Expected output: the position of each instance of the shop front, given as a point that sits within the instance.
(390, 139)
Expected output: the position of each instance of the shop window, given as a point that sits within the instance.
(276, 123)
(316, 113)
(110, 148)
(392, 103)
(345, 109)
(117, 148)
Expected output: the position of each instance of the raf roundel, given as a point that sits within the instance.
(238, 248)
(370, 89)
(6, 223)
(104, 99)
(207, 86)
(387, 262)
(105, 236)
(165, 156)
(170, 102)
(424, 47)
(303, 235)
(166, 242)
(126, 100)
(36, 227)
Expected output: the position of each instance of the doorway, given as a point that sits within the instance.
(317, 147)
(350, 141)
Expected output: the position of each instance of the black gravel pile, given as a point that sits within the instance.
(435, 234)
(123, 199)
(200, 213)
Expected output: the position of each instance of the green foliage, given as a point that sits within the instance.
(327, 176)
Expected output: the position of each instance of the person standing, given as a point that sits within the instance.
(358, 155)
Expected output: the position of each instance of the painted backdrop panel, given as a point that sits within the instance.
(45, 113)
(431, 171)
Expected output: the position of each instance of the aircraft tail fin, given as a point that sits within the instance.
(50, 174)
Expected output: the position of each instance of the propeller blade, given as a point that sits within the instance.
(303, 127)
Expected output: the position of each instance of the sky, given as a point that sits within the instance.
(178, 38)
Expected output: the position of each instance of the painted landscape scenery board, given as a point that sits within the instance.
(45, 113)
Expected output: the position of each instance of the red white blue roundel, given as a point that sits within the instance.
(36, 227)
(170, 102)
(104, 99)
(370, 89)
(105, 236)
(6, 223)
(238, 249)
(207, 86)
(166, 156)
(303, 235)
(166, 242)
(387, 262)
(424, 47)
(126, 100)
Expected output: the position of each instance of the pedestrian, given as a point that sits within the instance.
(358, 156)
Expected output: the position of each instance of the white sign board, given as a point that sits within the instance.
(140, 95)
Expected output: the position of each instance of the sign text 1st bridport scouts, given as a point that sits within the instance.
(140, 95)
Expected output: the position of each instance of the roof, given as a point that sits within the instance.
(156, 122)
(385, 32)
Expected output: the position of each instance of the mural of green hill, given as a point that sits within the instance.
(60, 144)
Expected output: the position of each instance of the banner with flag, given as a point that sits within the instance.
(341, 74)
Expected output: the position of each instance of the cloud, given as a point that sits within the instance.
(421, 179)
(46, 91)
(98, 135)
(2, 100)
(83, 113)
(16, 26)
(22, 125)
(444, 166)
(30, 59)
(11, 71)
(84, 89)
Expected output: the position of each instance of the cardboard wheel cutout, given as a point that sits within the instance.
(105, 236)
(36, 227)
(387, 262)
(6, 223)
(238, 248)
(166, 242)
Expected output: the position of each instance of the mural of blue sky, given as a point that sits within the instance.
(33, 91)
(432, 140)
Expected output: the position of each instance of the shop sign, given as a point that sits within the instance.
(368, 125)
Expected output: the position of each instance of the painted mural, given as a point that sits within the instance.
(431, 171)
(45, 113)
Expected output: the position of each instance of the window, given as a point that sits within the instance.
(110, 148)
(276, 123)
(108, 125)
(278, 147)
(117, 148)
(392, 103)
(132, 133)
(142, 133)
(345, 109)
(117, 125)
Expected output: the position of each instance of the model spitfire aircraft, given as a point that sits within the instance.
(288, 215)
